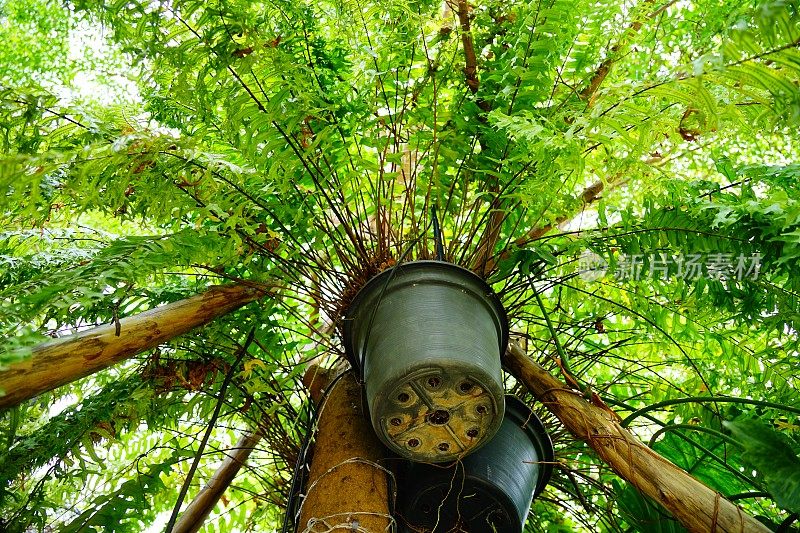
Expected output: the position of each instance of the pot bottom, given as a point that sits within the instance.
(438, 413)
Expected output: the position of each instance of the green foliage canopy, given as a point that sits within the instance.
(305, 143)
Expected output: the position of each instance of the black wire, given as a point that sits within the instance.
(297, 476)
(437, 235)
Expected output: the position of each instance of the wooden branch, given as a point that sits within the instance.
(482, 266)
(599, 75)
(589, 196)
(699, 508)
(482, 262)
(195, 514)
(470, 59)
(347, 487)
(64, 360)
(484, 253)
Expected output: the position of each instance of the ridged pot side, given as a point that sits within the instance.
(491, 490)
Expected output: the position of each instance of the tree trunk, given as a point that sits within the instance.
(195, 514)
(347, 487)
(64, 360)
(699, 508)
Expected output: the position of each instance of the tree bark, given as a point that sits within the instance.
(699, 508)
(64, 360)
(347, 487)
(195, 514)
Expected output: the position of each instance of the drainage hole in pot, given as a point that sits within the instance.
(395, 421)
(465, 386)
(481, 409)
(434, 382)
(443, 446)
(472, 433)
(413, 443)
(439, 417)
(403, 397)
(425, 508)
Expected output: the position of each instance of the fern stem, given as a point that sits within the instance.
(706, 399)
(565, 363)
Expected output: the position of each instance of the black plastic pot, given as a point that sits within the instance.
(427, 338)
(490, 491)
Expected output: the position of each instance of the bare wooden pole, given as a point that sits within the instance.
(347, 487)
(699, 508)
(56, 363)
(195, 514)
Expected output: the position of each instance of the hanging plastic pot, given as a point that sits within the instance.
(427, 338)
(491, 490)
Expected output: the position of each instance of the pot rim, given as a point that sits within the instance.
(426, 264)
